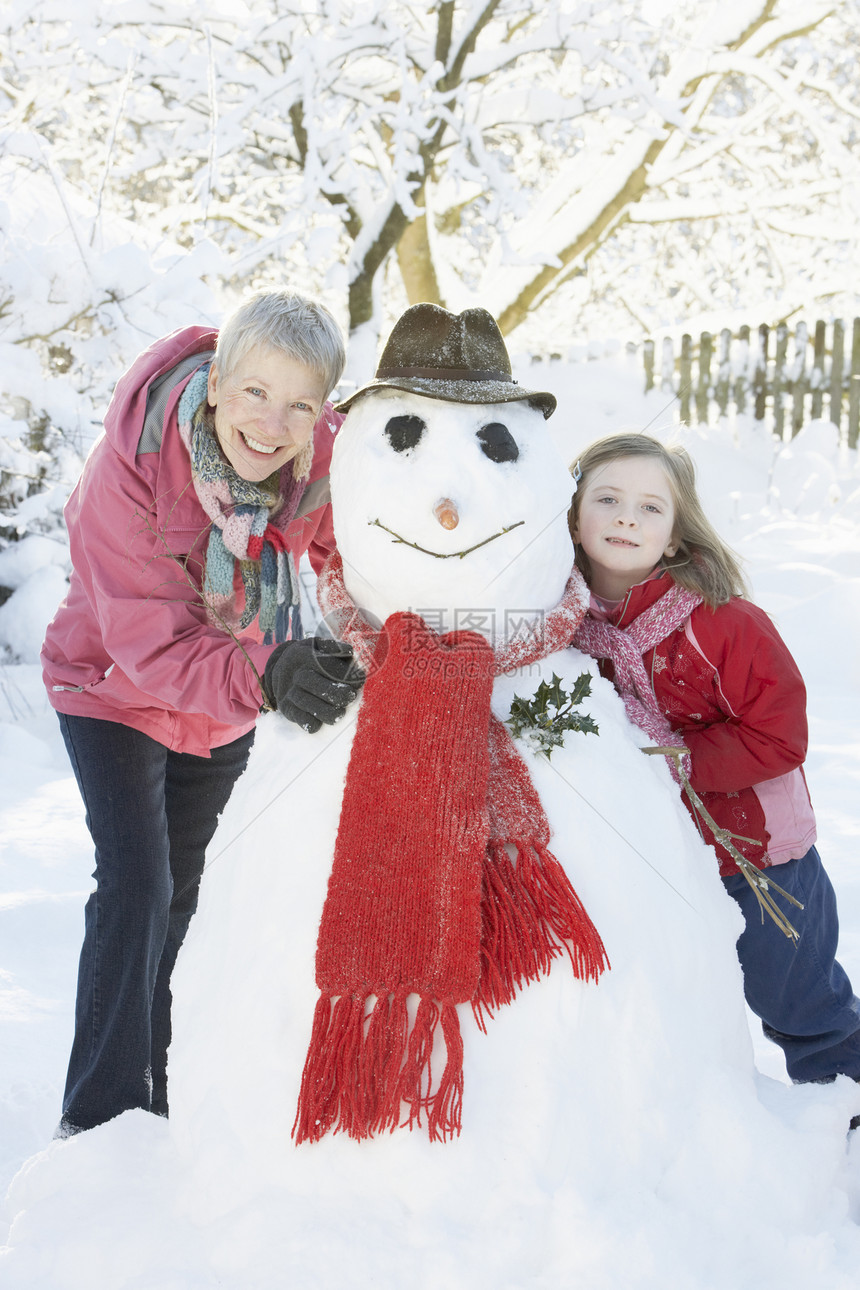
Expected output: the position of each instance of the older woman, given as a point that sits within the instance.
(180, 623)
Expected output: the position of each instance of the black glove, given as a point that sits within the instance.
(312, 681)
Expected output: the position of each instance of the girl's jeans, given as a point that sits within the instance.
(801, 993)
(151, 813)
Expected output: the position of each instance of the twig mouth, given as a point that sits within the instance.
(444, 555)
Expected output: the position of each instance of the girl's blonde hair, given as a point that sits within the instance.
(702, 562)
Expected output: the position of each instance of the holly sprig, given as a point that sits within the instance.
(544, 719)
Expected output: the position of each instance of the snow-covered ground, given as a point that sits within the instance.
(90, 1211)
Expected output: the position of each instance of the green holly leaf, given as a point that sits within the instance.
(543, 720)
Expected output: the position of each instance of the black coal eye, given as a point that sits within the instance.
(498, 443)
(403, 433)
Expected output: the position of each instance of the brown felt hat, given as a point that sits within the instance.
(460, 358)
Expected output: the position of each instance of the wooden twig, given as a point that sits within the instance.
(445, 555)
(757, 879)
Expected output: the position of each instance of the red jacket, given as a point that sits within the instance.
(131, 642)
(727, 683)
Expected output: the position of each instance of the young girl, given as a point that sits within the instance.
(699, 665)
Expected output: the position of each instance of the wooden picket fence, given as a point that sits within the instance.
(759, 371)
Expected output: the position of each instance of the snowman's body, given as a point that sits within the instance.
(415, 483)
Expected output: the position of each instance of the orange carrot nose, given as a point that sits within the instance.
(446, 513)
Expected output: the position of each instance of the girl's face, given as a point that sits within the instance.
(625, 523)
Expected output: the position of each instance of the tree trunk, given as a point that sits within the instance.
(361, 287)
(415, 260)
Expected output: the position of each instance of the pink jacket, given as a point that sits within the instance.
(130, 642)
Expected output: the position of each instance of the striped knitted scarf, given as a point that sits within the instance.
(624, 647)
(249, 523)
(443, 885)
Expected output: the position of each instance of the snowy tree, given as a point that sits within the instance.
(569, 165)
(488, 151)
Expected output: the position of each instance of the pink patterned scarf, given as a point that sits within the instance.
(247, 540)
(624, 647)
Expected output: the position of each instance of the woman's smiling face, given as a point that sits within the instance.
(625, 523)
(265, 410)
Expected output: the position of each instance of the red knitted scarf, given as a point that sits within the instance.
(443, 886)
(624, 647)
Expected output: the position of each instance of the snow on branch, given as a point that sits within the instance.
(491, 152)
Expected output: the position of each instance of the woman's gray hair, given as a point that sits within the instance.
(297, 325)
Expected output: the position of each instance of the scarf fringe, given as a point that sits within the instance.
(530, 915)
(554, 895)
(362, 1067)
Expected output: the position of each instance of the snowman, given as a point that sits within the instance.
(462, 506)
(398, 981)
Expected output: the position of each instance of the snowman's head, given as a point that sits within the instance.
(456, 511)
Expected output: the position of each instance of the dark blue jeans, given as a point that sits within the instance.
(801, 993)
(151, 813)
